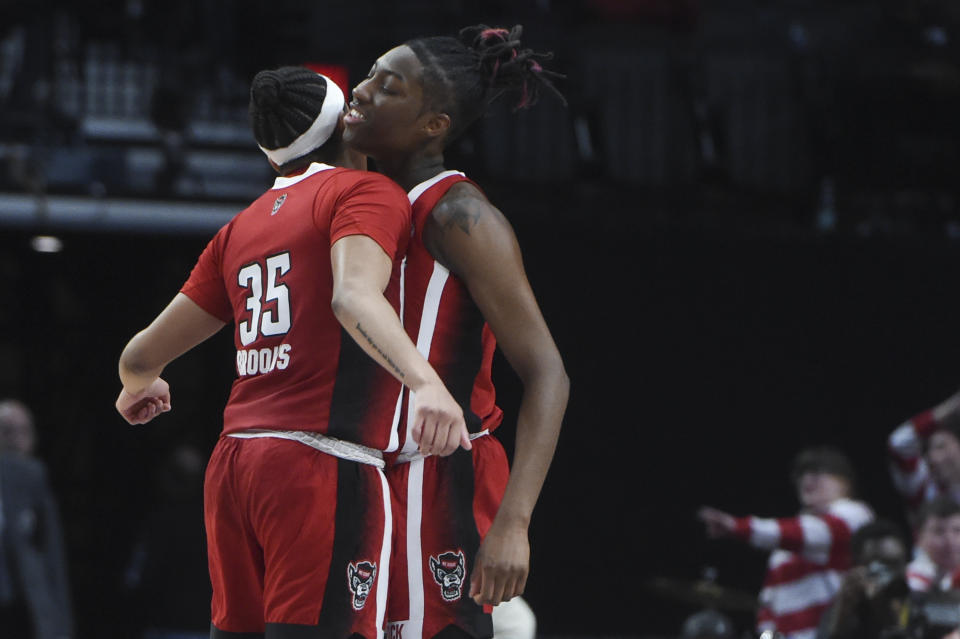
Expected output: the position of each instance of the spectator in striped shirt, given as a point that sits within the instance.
(810, 552)
(925, 455)
(935, 549)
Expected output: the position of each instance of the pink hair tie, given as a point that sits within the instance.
(524, 98)
(499, 33)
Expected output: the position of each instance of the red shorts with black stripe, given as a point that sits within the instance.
(442, 508)
(295, 540)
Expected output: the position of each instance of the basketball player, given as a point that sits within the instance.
(464, 283)
(296, 506)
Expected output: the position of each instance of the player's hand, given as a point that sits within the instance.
(438, 426)
(502, 564)
(719, 523)
(145, 405)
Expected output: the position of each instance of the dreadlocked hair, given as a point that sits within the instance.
(283, 104)
(463, 76)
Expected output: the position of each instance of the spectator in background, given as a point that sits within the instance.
(34, 595)
(925, 455)
(874, 594)
(17, 433)
(810, 551)
(935, 552)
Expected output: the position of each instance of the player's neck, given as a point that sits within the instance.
(411, 170)
(350, 159)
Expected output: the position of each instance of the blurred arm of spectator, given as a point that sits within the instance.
(925, 453)
(816, 536)
(825, 482)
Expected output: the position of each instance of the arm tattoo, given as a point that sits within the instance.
(463, 216)
(386, 358)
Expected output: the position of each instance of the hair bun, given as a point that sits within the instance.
(491, 34)
(265, 90)
(494, 42)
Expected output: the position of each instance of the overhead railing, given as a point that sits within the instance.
(56, 212)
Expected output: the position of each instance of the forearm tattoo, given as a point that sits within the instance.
(385, 357)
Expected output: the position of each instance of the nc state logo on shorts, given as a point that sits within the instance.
(360, 581)
(448, 571)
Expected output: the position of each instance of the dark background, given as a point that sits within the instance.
(743, 231)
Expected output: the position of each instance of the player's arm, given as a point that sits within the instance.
(361, 272)
(179, 327)
(472, 238)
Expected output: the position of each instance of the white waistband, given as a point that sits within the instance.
(406, 458)
(324, 443)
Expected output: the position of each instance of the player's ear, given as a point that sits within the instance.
(437, 125)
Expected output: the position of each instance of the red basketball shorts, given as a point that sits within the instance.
(296, 539)
(442, 508)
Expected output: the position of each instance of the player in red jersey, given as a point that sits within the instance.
(464, 283)
(297, 508)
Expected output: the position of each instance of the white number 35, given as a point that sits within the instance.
(265, 323)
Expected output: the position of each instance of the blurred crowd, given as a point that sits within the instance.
(836, 570)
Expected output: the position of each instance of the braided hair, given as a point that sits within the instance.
(283, 104)
(463, 76)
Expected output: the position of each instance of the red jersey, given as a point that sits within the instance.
(444, 322)
(268, 270)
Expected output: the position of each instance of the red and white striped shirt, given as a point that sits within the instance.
(910, 471)
(922, 574)
(810, 555)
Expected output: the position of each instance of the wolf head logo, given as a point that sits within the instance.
(448, 570)
(278, 203)
(360, 579)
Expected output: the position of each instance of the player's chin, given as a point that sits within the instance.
(365, 139)
(354, 136)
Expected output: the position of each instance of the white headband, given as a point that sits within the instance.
(318, 133)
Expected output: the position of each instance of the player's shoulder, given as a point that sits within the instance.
(366, 180)
(464, 201)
